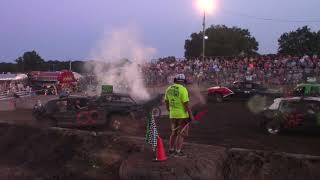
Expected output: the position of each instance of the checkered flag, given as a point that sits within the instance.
(152, 132)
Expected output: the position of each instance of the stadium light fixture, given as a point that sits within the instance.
(207, 7)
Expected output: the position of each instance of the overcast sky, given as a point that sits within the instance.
(70, 29)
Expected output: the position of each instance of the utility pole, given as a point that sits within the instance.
(204, 35)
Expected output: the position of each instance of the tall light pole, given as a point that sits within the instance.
(207, 7)
(70, 62)
(204, 35)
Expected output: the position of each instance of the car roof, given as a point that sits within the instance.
(249, 82)
(116, 94)
(299, 98)
(76, 97)
(70, 97)
(308, 84)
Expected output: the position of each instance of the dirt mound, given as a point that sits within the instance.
(202, 162)
(260, 165)
(127, 124)
(59, 154)
(54, 153)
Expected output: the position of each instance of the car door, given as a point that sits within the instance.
(314, 91)
(247, 90)
(65, 114)
(88, 114)
(122, 104)
(238, 90)
(292, 113)
(310, 119)
(258, 90)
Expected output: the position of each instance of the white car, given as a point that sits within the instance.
(284, 112)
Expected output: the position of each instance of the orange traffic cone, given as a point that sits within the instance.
(161, 154)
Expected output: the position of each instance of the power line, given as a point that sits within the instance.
(233, 13)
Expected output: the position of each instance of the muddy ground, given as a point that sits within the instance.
(36, 153)
(229, 124)
(218, 149)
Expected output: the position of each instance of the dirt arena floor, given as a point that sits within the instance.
(232, 125)
(229, 124)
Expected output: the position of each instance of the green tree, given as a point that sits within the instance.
(29, 61)
(300, 42)
(8, 67)
(222, 41)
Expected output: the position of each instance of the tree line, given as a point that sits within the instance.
(32, 61)
(234, 41)
(222, 41)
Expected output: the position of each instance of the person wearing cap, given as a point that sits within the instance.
(177, 104)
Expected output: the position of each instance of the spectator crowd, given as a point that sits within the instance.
(269, 70)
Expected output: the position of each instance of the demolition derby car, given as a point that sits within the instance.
(291, 113)
(81, 111)
(307, 89)
(240, 90)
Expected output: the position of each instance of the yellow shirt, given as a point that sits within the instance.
(177, 95)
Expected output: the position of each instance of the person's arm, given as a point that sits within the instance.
(188, 109)
(167, 105)
(166, 100)
(185, 101)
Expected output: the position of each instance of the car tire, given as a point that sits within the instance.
(208, 100)
(114, 123)
(273, 128)
(36, 117)
(261, 122)
(218, 98)
(52, 122)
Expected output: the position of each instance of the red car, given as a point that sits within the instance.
(242, 90)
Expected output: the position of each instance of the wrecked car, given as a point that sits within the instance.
(104, 110)
(239, 90)
(292, 113)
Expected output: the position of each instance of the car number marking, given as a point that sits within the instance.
(87, 117)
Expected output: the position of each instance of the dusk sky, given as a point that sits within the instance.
(70, 29)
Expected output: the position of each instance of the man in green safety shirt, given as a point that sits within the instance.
(177, 104)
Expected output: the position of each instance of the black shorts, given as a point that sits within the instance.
(180, 126)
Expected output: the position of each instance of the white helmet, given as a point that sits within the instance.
(180, 78)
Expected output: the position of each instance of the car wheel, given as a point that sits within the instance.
(273, 128)
(261, 122)
(36, 117)
(218, 98)
(210, 97)
(114, 123)
(48, 122)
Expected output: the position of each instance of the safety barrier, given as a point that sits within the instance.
(9, 95)
(4, 96)
(8, 105)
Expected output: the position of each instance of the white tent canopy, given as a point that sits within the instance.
(13, 77)
(77, 76)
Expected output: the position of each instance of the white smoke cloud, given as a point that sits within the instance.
(195, 92)
(114, 48)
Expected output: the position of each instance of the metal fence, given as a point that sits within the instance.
(7, 95)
